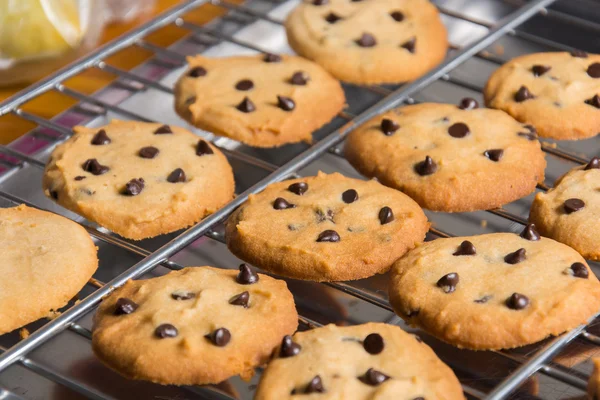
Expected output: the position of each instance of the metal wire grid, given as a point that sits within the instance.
(539, 361)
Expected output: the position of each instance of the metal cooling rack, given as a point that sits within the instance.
(55, 361)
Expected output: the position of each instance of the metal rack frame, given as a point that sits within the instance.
(540, 361)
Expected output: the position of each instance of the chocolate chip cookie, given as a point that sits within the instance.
(263, 100)
(370, 361)
(369, 42)
(138, 179)
(557, 93)
(569, 212)
(196, 326)
(46, 260)
(449, 158)
(593, 388)
(494, 291)
(325, 228)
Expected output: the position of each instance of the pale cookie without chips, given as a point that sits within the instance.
(46, 260)
(569, 212)
(361, 362)
(369, 42)
(139, 179)
(325, 228)
(195, 326)
(494, 291)
(449, 158)
(557, 93)
(263, 100)
(593, 388)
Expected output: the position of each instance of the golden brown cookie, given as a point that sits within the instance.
(494, 291)
(263, 100)
(557, 93)
(361, 362)
(325, 228)
(139, 179)
(46, 260)
(449, 158)
(594, 382)
(196, 326)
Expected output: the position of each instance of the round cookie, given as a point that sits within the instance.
(569, 212)
(369, 42)
(494, 291)
(46, 260)
(557, 93)
(263, 100)
(195, 326)
(325, 228)
(449, 158)
(593, 388)
(139, 179)
(361, 362)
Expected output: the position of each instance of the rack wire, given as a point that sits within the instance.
(540, 360)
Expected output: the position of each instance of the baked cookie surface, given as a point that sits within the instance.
(263, 101)
(369, 42)
(361, 362)
(139, 179)
(195, 326)
(325, 228)
(593, 388)
(46, 260)
(494, 291)
(448, 158)
(569, 212)
(557, 93)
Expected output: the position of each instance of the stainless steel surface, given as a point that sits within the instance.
(56, 362)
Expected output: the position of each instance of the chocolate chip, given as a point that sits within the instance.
(388, 127)
(244, 85)
(413, 313)
(573, 205)
(164, 331)
(240, 299)
(298, 188)
(328, 236)
(494, 154)
(181, 295)
(315, 386)
(246, 275)
(219, 337)
(594, 101)
(366, 40)
(322, 217)
(594, 70)
(134, 187)
(285, 103)
(426, 167)
(579, 54)
(373, 343)
(397, 15)
(410, 45)
(531, 135)
(483, 300)
(176, 176)
(530, 233)
(373, 377)
(350, 196)
(448, 282)
(94, 167)
(458, 130)
(163, 130)
(523, 94)
(593, 164)
(282, 204)
(54, 194)
(148, 152)
(515, 257)
(320, 2)
(466, 248)
(100, 138)
(203, 148)
(299, 78)
(246, 106)
(386, 215)
(79, 178)
(579, 270)
(517, 301)
(468, 104)
(332, 18)
(539, 70)
(288, 347)
(197, 72)
(125, 306)
(272, 58)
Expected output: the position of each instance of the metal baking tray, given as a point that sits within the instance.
(56, 361)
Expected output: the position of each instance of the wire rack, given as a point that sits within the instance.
(496, 41)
